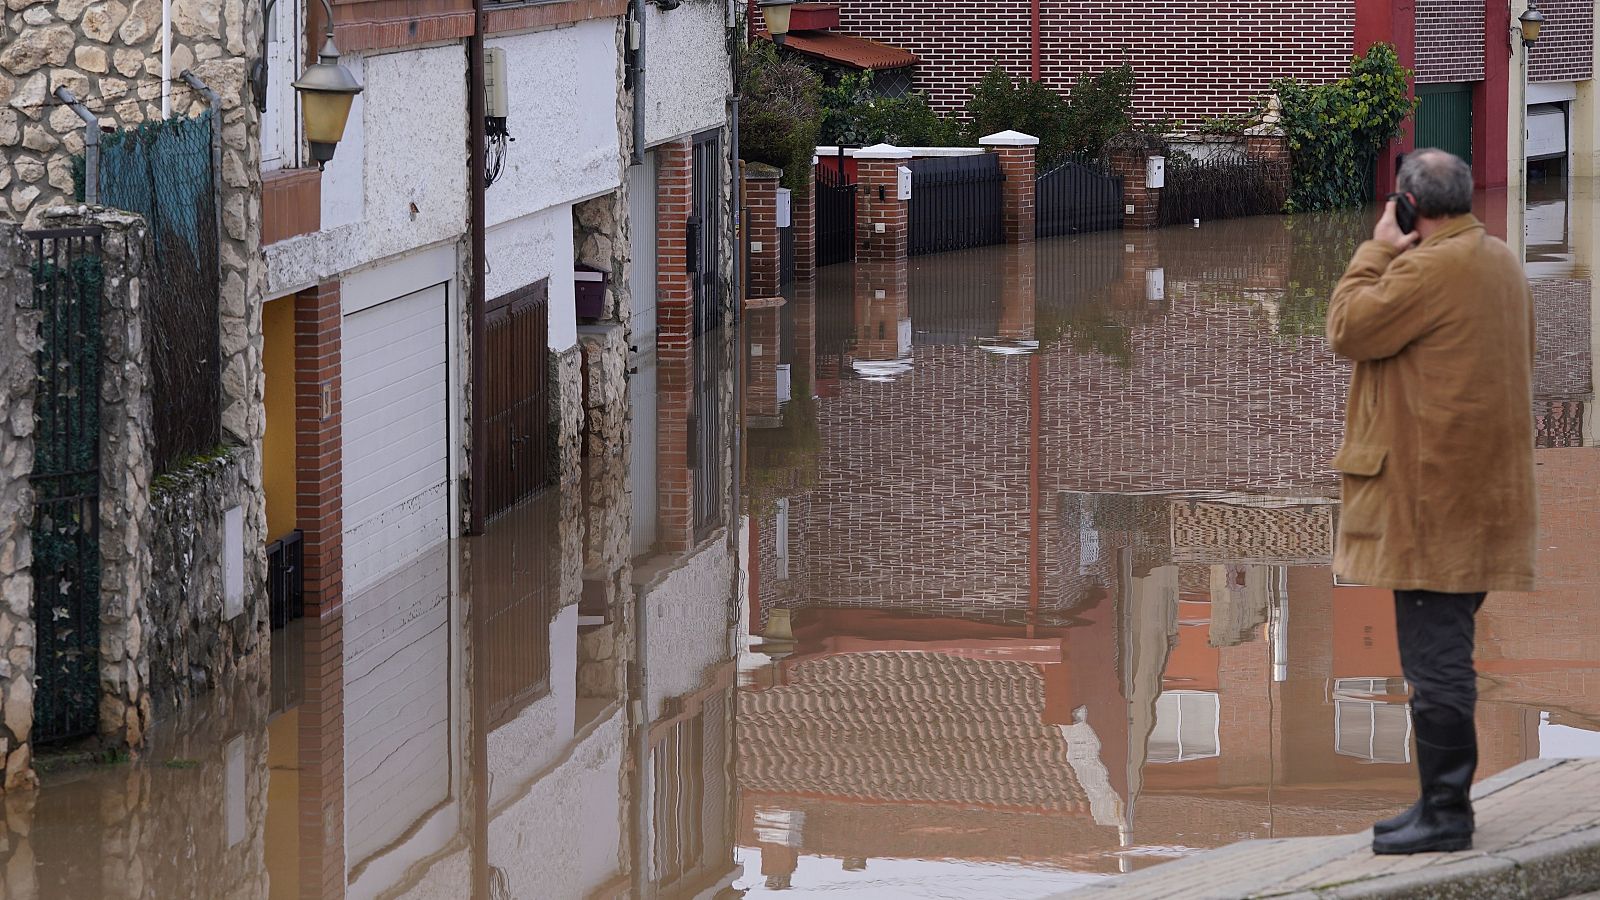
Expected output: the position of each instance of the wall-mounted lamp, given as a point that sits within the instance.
(1532, 22)
(326, 91)
(775, 13)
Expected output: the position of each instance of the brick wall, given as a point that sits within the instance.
(1449, 40)
(1565, 51)
(1562, 367)
(1194, 59)
(319, 460)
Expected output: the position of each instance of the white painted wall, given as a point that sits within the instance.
(687, 623)
(399, 178)
(562, 88)
(532, 247)
(687, 75)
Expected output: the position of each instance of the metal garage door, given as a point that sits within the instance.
(1444, 118)
(396, 469)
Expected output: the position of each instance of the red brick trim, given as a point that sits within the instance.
(291, 204)
(319, 493)
(391, 24)
(674, 332)
(532, 16)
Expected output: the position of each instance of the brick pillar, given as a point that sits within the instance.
(803, 221)
(318, 457)
(1267, 144)
(674, 288)
(761, 231)
(1017, 153)
(883, 310)
(1142, 205)
(882, 221)
(674, 478)
(1018, 293)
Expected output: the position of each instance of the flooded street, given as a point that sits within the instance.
(989, 574)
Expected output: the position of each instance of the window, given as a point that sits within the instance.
(280, 132)
(1186, 727)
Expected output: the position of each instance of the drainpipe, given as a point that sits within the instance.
(166, 58)
(475, 295)
(636, 73)
(91, 145)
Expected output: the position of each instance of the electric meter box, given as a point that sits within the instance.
(494, 83)
(785, 208)
(903, 185)
(1155, 172)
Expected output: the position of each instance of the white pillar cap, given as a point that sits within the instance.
(1009, 139)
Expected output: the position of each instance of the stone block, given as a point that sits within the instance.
(37, 47)
(100, 22)
(92, 59)
(142, 21)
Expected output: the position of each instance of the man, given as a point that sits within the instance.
(1437, 462)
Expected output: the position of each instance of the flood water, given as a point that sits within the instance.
(987, 575)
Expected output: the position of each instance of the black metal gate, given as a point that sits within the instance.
(67, 280)
(835, 205)
(955, 203)
(1075, 197)
(705, 232)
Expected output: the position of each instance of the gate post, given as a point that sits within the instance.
(1130, 161)
(761, 202)
(883, 221)
(1017, 152)
(17, 385)
(803, 221)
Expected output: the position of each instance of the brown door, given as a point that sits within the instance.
(517, 437)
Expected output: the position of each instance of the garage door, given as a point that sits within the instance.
(396, 470)
(1444, 118)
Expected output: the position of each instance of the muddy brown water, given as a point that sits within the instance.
(992, 574)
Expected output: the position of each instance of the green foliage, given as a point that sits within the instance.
(1335, 130)
(853, 115)
(779, 113)
(1320, 248)
(1100, 107)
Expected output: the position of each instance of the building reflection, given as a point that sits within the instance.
(1059, 592)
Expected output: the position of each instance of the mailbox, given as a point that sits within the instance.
(1155, 172)
(784, 207)
(903, 185)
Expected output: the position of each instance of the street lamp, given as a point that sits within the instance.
(1531, 21)
(776, 15)
(1528, 26)
(326, 91)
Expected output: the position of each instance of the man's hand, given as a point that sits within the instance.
(1388, 231)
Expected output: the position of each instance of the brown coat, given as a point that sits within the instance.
(1437, 461)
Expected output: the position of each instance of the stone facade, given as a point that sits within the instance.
(19, 328)
(605, 388)
(566, 406)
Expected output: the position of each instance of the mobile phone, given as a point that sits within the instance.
(1405, 212)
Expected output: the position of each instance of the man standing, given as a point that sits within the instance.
(1437, 462)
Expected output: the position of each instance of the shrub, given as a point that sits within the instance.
(853, 115)
(1335, 130)
(1101, 107)
(779, 113)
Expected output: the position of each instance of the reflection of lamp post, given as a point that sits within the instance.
(775, 13)
(326, 91)
(1529, 24)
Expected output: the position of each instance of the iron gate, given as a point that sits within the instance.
(705, 434)
(1076, 197)
(517, 434)
(835, 216)
(67, 279)
(955, 203)
(705, 233)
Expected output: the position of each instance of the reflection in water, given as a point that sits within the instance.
(989, 574)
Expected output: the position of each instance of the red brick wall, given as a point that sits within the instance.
(761, 206)
(674, 332)
(319, 459)
(1566, 46)
(1449, 40)
(958, 41)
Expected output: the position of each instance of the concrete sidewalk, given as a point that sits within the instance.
(1538, 837)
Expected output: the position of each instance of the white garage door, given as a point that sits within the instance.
(396, 470)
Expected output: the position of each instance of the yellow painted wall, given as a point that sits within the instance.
(277, 448)
(283, 806)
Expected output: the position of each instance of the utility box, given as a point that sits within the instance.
(589, 294)
(495, 105)
(785, 208)
(903, 184)
(1155, 172)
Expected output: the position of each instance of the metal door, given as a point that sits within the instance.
(1444, 118)
(518, 433)
(705, 232)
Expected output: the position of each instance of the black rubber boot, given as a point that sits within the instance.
(1447, 757)
(1395, 823)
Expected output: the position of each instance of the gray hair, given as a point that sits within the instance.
(1440, 181)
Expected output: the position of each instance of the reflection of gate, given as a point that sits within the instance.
(835, 205)
(1075, 197)
(517, 436)
(955, 203)
(517, 604)
(705, 232)
(705, 434)
(67, 279)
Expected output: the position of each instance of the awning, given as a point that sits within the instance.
(849, 50)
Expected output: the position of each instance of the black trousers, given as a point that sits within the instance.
(1436, 633)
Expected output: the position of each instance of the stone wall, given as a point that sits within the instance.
(566, 408)
(19, 328)
(194, 643)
